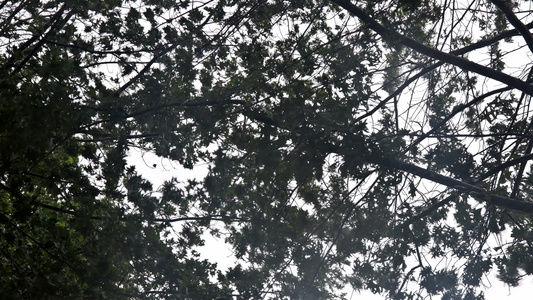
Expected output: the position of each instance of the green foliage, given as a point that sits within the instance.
(346, 144)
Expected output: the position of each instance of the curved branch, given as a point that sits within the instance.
(505, 202)
(431, 209)
(455, 111)
(434, 53)
(511, 17)
(461, 51)
(504, 166)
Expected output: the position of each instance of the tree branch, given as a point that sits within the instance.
(110, 52)
(505, 202)
(431, 209)
(434, 53)
(511, 17)
(504, 166)
(143, 70)
(448, 199)
(57, 22)
(425, 70)
(161, 220)
(455, 111)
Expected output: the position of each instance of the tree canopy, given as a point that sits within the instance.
(379, 145)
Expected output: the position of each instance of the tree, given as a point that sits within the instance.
(349, 143)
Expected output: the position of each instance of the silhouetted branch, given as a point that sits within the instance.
(165, 220)
(511, 17)
(434, 53)
(505, 202)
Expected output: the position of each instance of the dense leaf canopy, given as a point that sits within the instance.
(379, 145)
